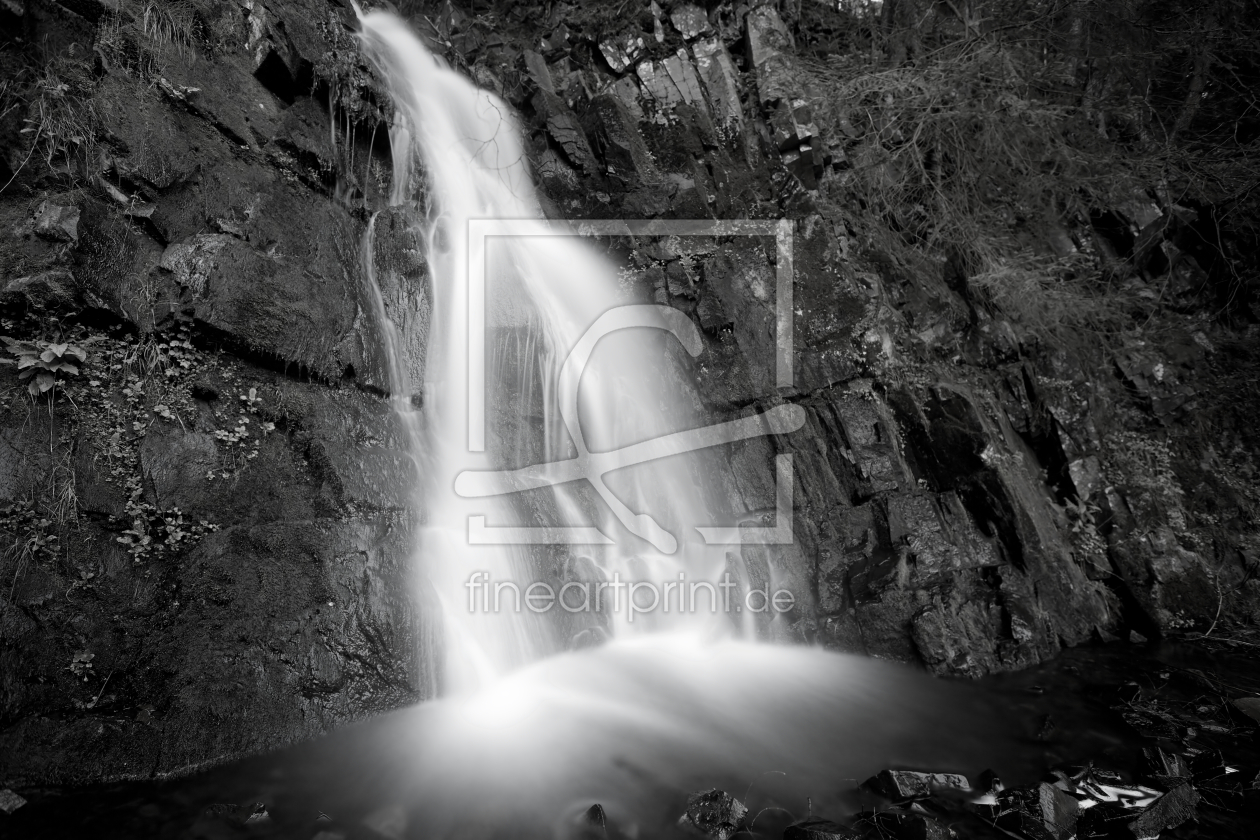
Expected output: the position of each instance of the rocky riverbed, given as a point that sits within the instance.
(1121, 741)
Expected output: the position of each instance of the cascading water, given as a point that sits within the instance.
(528, 740)
(542, 293)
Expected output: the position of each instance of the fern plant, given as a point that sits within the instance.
(39, 363)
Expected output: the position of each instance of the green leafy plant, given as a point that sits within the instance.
(156, 533)
(30, 538)
(39, 363)
(1082, 513)
(81, 664)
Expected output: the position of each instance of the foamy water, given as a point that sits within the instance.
(638, 724)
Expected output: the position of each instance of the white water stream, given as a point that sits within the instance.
(537, 295)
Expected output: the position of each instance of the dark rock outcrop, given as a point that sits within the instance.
(208, 531)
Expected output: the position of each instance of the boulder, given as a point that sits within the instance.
(620, 145)
(721, 84)
(271, 304)
(1044, 811)
(683, 73)
(690, 21)
(621, 52)
(658, 82)
(768, 41)
(714, 813)
(57, 222)
(1169, 811)
(10, 801)
(565, 129)
(46, 290)
(902, 785)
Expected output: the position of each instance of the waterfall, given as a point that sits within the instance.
(566, 406)
(535, 391)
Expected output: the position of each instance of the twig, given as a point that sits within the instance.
(754, 781)
(1220, 602)
(97, 698)
(22, 166)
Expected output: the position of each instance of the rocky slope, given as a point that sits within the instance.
(227, 491)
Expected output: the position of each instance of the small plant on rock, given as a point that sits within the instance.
(157, 533)
(61, 123)
(30, 538)
(1083, 515)
(81, 664)
(40, 363)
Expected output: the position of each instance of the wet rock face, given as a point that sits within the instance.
(1058, 476)
(207, 532)
(218, 598)
(966, 498)
(280, 307)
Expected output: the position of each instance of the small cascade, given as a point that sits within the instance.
(477, 646)
(389, 342)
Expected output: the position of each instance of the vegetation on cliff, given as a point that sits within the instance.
(1060, 153)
